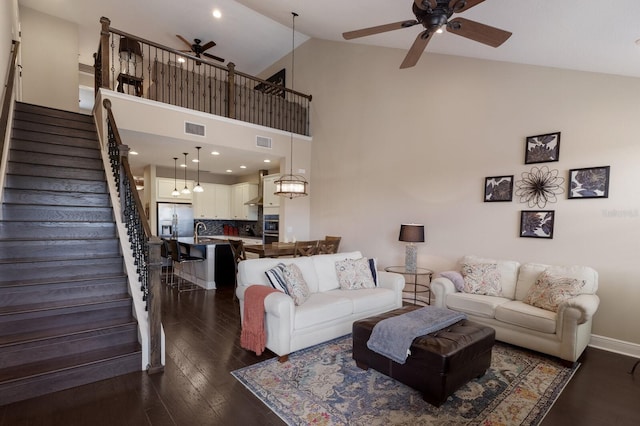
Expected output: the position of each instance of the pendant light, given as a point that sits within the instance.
(175, 192)
(291, 185)
(198, 188)
(185, 190)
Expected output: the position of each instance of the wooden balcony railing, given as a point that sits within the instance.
(139, 67)
(8, 95)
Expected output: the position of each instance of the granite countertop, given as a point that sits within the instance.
(218, 239)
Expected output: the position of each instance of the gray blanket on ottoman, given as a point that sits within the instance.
(392, 337)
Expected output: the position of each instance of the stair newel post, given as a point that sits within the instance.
(104, 53)
(231, 90)
(155, 307)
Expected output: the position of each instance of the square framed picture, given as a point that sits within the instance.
(589, 182)
(542, 148)
(498, 188)
(537, 223)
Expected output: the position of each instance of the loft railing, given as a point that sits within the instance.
(145, 246)
(139, 67)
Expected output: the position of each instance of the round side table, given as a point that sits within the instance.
(413, 278)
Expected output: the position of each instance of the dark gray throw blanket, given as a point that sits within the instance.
(392, 337)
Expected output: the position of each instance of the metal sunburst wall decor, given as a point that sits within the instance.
(539, 187)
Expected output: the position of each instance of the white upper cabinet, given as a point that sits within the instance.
(269, 187)
(165, 186)
(240, 194)
(213, 202)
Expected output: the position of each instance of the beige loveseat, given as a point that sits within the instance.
(329, 312)
(564, 333)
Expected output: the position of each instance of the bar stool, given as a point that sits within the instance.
(180, 255)
(237, 249)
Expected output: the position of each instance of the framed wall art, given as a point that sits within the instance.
(537, 223)
(542, 148)
(498, 188)
(589, 182)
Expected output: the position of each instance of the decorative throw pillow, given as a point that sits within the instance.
(455, 277)
(354, 274)
(481, 278)
(276, 277)
(549, 291)
(296, 285)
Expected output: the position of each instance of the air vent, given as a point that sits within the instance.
(194, 129)
(263, 142)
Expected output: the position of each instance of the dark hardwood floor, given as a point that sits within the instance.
(196, 388)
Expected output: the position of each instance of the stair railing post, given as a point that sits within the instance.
(155, 307)
(123, 155)
(231, 90)
(104, 52)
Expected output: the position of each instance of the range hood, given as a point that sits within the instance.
(257, 201)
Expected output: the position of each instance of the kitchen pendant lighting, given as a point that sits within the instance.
(291, 186)
(185, 190)
(175, 192)
(198, 188)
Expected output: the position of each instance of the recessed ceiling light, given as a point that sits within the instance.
(181, 60)
(217, 14)
(195, 160)
(267, 161)
(243, 167)
(215, 153)
(133, 152)
(229, 171)
(183, 165)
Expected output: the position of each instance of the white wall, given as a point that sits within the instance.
(49, 60)
(8, 32)
(392, 146)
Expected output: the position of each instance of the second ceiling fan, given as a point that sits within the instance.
(434, 15)
(199, 49)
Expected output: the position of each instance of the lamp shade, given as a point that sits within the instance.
(411, 233)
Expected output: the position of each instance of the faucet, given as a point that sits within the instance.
(195, 231)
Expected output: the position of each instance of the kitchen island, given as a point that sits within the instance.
(218, 261)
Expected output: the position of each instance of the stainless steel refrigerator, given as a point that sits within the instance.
(175, 220)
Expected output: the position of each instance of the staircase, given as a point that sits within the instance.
(65, 312)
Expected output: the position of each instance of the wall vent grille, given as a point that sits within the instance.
(194, 129)
(263, 142)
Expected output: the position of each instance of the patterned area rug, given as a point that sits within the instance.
(322, 385)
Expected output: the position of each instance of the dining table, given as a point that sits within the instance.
(270, 250)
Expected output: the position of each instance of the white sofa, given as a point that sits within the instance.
(328, 313)
(564, 334)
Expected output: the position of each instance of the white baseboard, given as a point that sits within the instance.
(614, 345)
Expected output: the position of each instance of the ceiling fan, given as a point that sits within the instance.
(434, 16)
(199, 49)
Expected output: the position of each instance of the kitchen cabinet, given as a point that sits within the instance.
(165, 186)
(213, 203)
(269, 187)
(240, 194)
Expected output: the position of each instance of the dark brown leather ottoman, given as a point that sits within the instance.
(440, 362)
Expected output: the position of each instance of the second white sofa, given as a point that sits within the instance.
(329, 312)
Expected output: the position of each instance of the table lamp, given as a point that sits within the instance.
(411, 233)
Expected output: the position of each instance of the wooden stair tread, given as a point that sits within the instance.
(39, 368)
(52, 333)
(62, 304)
(61, 258)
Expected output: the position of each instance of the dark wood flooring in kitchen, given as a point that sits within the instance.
(203, 329)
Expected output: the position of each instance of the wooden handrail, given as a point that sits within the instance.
(8, 93)
(150, 254)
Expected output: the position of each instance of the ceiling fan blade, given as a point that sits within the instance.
(476, 31)
(378, 29)
(432, 3)
(217, 58)
(208, 45)
(463, 5)
(416, 50)
(184, 40)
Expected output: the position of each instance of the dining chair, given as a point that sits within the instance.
(329, 245)
(239, 254)
(180, 256)
(305, 248)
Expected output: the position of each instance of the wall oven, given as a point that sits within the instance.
(270, 228)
